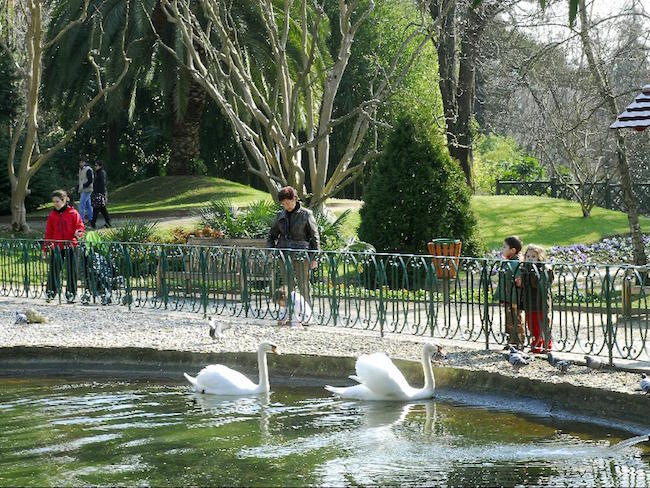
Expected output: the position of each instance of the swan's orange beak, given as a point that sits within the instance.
(274, 350)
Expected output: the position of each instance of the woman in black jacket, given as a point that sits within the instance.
(295, 229)
(99, 198)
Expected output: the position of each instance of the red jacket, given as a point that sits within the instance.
(61, 226)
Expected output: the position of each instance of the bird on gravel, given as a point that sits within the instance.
(514, 350)
(21, 318)
(645, 383)
(35, 317)
(518, 358)
(217, 329)
(440, 353)
(561, 364)
(593, 363)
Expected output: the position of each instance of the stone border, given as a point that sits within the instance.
(310, 370)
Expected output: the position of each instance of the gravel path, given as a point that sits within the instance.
(72, 325)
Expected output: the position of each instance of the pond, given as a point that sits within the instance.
(76, 432)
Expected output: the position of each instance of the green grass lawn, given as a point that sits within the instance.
(540, 220)
(179, 193)
(545, 221)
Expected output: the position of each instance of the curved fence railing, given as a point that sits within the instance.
(586, 308)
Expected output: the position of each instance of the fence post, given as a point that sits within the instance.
(163, 279)
(498, 186)
(610, 325)
(486, 309)
(204, 281)
(244, 282)
(553, 187)
(25, 270)
(381, 274)
(608, 195)
(128, 271)
(333, 274)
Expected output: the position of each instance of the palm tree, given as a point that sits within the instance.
(69, 74)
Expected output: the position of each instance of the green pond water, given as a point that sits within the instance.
(75, 432)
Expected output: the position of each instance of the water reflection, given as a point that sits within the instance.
(137, 433)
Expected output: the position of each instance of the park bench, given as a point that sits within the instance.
(225, 265)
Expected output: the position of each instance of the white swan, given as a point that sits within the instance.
(217, 379)
(379, 379)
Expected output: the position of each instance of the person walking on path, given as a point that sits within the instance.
(64, 226)
(295, 229)
(99, 196)
(85, 190)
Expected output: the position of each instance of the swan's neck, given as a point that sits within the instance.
(429, 382)
(263, 385)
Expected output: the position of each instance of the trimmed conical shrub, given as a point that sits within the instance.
(416, 193)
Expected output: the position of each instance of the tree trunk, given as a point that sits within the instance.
(461, 145)
(446, 46)
(186, 141)
(457, 69)
(602, 82)
(18, 213)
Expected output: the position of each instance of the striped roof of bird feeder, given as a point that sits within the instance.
(637, 114)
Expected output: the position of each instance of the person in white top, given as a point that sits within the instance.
(300, 309)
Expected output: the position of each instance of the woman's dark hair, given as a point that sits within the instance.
(287, 193)
(99, 163)
(61, 195)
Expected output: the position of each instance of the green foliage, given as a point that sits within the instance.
(253, 221)
(331, 232)
(133, 231)
(501, 158)
(376, 43)
(416, 193)
(9, 103)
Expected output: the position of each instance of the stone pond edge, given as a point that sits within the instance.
(311, 370)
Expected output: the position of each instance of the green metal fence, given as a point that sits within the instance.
(606, 195)
(595, 309)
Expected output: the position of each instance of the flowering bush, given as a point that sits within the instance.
(610, 250)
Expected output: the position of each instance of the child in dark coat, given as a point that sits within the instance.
(536, 280)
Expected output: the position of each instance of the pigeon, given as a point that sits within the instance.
(594, 364)
(645, 383)
(35, 318)
(440, 353)
(217, 329)
(514, 350)
(561, 364)
(518, 358)
(21, 318)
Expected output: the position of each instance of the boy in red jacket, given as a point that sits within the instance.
(64, 227)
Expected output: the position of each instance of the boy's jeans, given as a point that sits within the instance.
(85, 207)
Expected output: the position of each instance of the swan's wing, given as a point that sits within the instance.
(378, 373)
(356, 392)
(220, 379)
